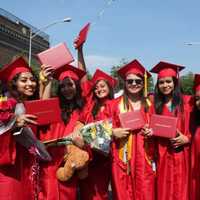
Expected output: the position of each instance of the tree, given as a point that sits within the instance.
(150, 85)
(113, 73)
(187, 82)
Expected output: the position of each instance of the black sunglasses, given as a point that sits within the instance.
(136, 81)
(197, 98)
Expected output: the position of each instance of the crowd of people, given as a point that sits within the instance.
(140, 166)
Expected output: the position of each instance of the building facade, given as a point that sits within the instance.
(15, 36)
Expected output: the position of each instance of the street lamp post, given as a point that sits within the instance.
(32, 35)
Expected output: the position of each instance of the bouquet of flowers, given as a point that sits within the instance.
(7, 116)
(98, 135)
(7, 107)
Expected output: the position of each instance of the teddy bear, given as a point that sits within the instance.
(75, 159)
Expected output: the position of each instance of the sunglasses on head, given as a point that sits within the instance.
(136, 81)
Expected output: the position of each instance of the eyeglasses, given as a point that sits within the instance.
(136, 81)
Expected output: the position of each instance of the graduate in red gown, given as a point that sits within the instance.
(133, 166)
(173, 154)
(98, 107)
(16, 174)
(71, 103)
(98, 94)
(195, 152)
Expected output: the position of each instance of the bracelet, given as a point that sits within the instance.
(42, 78)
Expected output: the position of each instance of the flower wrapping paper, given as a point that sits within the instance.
(98, 135)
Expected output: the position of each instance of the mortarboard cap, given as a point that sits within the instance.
(197, 82)
(17, 66)
(164, 69)
(100, 75)
(82, 35)
(134, 67)
(69, 71)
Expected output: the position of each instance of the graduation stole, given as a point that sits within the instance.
(125, 145)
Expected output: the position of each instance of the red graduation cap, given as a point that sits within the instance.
(82, 35)
(134, 67)
(8, 71)
(100, 75)
(164, 69)
(197, 82)
(69, 71)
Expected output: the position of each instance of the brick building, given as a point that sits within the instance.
(14, 38)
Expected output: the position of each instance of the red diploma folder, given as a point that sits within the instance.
(47, 111)
(83, 35)
(56, 56)
(163, 126)
(133, 120)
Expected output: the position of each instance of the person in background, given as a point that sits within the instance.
(133, 169)
(195, 149)
(173, 154)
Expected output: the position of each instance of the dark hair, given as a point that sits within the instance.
(68, 106)
(143, 99)
(160, 99)
(97, 101)
(194, 121)
(12, 87)
(3, 88)
(196, 115)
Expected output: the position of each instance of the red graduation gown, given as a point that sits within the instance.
(51, 188)
(139, 184)
(16, 177)
(195, 166)
(95, 186)
(173, 166)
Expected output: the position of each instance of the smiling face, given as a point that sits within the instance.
(68, 88)
(134, 84)
(101, 89)
(166, 85)
(26, 84)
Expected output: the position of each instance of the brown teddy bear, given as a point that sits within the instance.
(75, 159)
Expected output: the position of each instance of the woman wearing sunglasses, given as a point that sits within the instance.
(133, 173)
(195, 155)
(173, 154)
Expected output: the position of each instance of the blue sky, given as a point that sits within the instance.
(148, 30)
